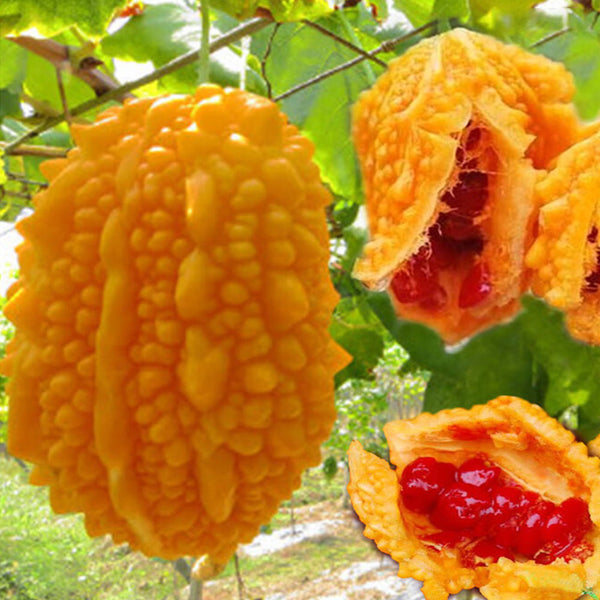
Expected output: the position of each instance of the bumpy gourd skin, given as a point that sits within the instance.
(526, 444)
(409, 132)
(172, 371)
(565, 255)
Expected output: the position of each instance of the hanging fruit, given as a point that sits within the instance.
(171, 375)
(565, 256)
(450, 141)
(499, 497)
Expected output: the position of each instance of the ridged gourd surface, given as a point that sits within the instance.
(171, 375)
(565, 256)
(452, 139)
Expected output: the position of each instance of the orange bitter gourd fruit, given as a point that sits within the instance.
(450, 140)
(499, 497)
(171, 375)
(565, 256)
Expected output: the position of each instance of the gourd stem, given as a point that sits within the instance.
(204, 54)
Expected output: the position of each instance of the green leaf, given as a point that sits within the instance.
(14, 63)
(494, 363)
(281, 10)
(353, 329)
(10, 104)
(418, 12)
(345, 212)
(355, 241)
(503, 9)
(41, 84)
(571, 366)
(323, 110)
(450, 9)
(330, 467)
(29, 168)
(532, 357)
(53, 16)
(423, 344)
(168, 30)
(579, 50)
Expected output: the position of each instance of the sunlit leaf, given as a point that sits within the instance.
(52, 16)
(448, 9)
(281, 10)
(41, 84)
(418, 12)
(168, 30)
(14, 63)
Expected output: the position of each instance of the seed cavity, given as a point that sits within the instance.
(478, 509)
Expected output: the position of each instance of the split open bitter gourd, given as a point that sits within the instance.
(565, 256)
(499, 497)
(171, 375)
(450, 140)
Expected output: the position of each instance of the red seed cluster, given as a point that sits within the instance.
(455, 240)
(486, 515)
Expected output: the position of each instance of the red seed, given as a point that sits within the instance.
(444, 251)
(459, 507)
(436, 300)
(530, 537)
(568, 520)
(417, 280)
(478, 473)
(469, 195)
(459, 227)
(473, 138)
(476, 286)
(422, 481)
(486, 515)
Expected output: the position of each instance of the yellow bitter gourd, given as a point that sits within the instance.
(450, 140)
(172, 372)
(565, 256)
(530, 448)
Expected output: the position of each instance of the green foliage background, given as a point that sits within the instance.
(532, 356)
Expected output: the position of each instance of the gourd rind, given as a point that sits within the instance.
(159, 381)
(412, 135)
(564, 255)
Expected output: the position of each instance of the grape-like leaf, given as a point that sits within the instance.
(53, 16)
(168, 30)
(280, 10)
(418, 12)
(354, 329)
